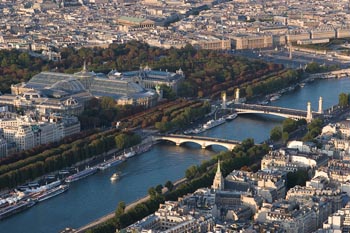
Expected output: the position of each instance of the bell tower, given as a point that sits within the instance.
(218, 183)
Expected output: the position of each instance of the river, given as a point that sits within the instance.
(95, 196)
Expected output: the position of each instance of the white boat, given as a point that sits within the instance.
(231, 116)
(82, 174)
(189, 131)
(213, 123)
(115, 176)
(198, 130)
(275, 97)
(109, 163)
(52, 193)
(129, 154)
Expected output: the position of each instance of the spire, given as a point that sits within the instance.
(218, 169)
(218, 183)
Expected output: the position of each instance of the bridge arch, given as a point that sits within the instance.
(239, 112)
(201, 142)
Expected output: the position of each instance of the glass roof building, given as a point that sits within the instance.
(81, 86)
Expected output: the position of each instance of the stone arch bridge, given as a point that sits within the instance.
(204, 142)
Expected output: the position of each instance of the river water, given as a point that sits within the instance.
(96, 195)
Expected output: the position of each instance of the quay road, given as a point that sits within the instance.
(299, 59)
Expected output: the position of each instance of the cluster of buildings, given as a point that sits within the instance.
(66, 94)
(19, 132)
(260, 201)
(54, 100)
(40, 25)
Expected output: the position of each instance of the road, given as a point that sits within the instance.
(299, 59)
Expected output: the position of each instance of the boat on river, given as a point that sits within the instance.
(129, 154)
(47, 194)
(15, 208)
(143, 148)
(115, 176)
(198, 130)
(213, 123)
(275, 97)
(188, 131)
(231, 116)
(111, 162)
(80, 175)
(30, 190)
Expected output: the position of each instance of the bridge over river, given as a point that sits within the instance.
(277, 111)
(204, 142)
(296, 114)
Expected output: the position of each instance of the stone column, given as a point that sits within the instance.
(309, 113)
(223, 95)
(237, 96)
(320, 103)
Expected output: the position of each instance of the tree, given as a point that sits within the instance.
(120, 141)
(289, 125)
(247, 144)
(276, 133)
(152, 192)
(297, 178)
(169, 185)
(343, 100)
(107, 102)
(249, 91)
(313, 67)
(191, 172)
(285, 137)
(120, 209)
(159, 189)
(168, 93)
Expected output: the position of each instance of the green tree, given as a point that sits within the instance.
(249, 91)
(168, 93)
(289, 125)
(276, 133)
(285, 137)
(343, 100)
(120, 209)
(313, 67)
(191, 172)
(152, 192)
(120, 141)
(107, 102)
(297, 178)
(159, 189)
(169, 185)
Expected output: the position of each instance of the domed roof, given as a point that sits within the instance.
(70, 85)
